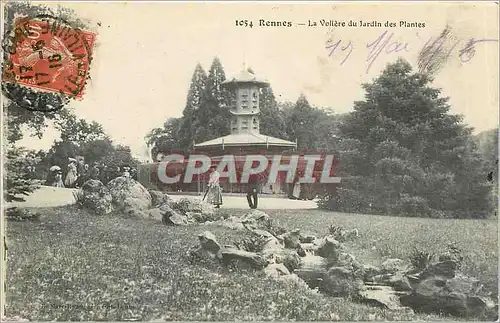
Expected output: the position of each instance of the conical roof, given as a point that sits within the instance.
(246, 139)
(245, 76)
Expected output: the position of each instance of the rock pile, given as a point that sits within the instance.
(324, 264)
(129, 197)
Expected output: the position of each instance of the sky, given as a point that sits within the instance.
(145, 55)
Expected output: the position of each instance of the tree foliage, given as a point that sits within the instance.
(402, 153)
(19, 175)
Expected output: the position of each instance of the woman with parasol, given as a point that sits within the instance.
(56, 173)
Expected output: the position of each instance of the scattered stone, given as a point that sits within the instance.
(400, 283)
(96, 197)
(128, 194)
(445, 268)
(448, 296)
(195, 209)
(381, 296)
(329, 248)
(208, 241)
(159, 197)
(251, 258)
(291, 239)
(336, 281)
(172, 217)
(369, 272)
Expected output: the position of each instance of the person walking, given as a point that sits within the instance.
(252, 191)
(214, 194)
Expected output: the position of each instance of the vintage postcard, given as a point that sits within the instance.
(262, 161)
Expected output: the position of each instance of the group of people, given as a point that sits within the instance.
(213, 194)
(78, 173)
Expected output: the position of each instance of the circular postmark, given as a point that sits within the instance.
(46, 62)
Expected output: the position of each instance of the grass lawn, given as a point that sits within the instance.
(75, 266)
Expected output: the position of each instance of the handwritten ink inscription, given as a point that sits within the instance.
(388, 43)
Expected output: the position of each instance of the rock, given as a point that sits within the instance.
(445, 268)
(129, 194)
(391, 266)
(329, 248)
(369, 272)
(381, 296)
(195, 209)
(289, 258)
(336, 281)
(208, 242)
(159, 198)
(455, 296)
(276, 270)
(291, 239)
(172, 217)
(155, 214)
(400, 283)
(96, 197)
(251, 258)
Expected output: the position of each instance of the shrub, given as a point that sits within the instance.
(19, 179)
(420, 259)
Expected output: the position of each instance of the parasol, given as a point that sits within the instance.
(54, 168)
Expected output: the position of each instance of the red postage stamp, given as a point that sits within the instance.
(48, 54)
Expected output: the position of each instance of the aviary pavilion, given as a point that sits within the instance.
(245, 138)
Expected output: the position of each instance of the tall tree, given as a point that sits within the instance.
(272, 119)
(410, 156)
(302, 122)
(187, 128)
(213, 116)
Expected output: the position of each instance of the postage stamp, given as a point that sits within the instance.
(49, 54)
